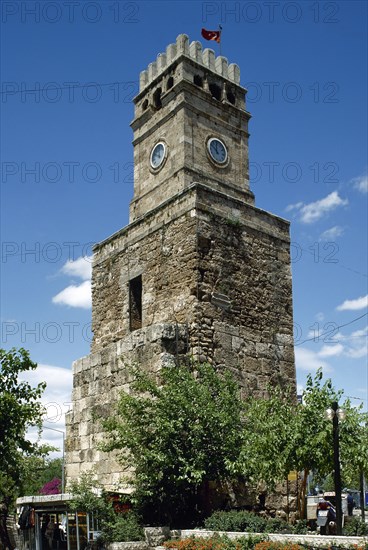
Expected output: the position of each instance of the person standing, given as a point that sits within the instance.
(351, 503)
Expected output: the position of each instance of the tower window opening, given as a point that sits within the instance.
(157, 98)
(198, 80)
(170, 83)
(215, 91)
(135, 303)
(145, 104)
(230, 96)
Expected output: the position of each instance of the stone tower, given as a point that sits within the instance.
(199, 271)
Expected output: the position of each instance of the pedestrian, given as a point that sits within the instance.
(49, 533)
(351, 503)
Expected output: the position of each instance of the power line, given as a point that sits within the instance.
(329, 331)
(357, 398)
(337, 264)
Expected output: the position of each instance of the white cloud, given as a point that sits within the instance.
(352, 305)
(361, 333)
(361, 184)
(356, 344)
(314, 211)
(332, 233)
(353, 346)
(331, 351)
(56, 399)
(315, 334)
(75, 296)
(307, 360)
(357, 352)
(81, 267)
(295, 206)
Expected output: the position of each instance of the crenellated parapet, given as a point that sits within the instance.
(192, 93)
(193, 50)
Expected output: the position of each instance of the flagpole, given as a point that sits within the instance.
(220, 29)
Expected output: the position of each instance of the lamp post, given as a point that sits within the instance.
(335, 414)
(62, 467)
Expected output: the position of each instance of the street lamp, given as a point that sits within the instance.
(62, 467)
(335, 414)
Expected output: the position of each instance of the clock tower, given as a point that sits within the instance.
(200, 272)
(190, 125)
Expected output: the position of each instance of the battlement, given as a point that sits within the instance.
(219, 65)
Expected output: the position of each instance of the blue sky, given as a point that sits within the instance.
(67, 175)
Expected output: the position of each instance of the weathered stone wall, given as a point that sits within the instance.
(98, 380)
(189, 112)
(213, 269)
(216, 287)
(178, 106)
(245, 318)
(165, 257)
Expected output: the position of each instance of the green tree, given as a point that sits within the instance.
(39, 471)
(314, 444)
(281, 435)
(20, 409)
(179, 434)
(269, 438)
(89, 496)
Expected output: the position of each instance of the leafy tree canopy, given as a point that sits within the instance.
(52, 487)
(39, 471)
(89, 496)
(20, 409)
(190, 427)
(282, 435)
(178, 433)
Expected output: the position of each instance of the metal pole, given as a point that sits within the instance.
(337, 472)
(362, 495)
(63, 467)
(63, 463)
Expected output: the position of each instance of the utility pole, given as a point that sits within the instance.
(63, 459)
(337, 471)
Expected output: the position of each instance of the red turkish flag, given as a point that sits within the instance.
(211, 35)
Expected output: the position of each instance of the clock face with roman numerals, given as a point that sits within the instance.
(217, 150)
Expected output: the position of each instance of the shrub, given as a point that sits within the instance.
(268, 545)
(277, 525)
(235, 520)
(122, 528)
(241, 520)
(355, 527)
(52, 487)
(300, 527)
(214, 543)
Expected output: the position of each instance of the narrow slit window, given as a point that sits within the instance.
(198, 80)
(157, 99)
(135, 303)
(215, 90)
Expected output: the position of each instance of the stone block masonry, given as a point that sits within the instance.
(216, 286)
(200, 272)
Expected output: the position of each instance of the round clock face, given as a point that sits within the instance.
(217, 150)
(158, 155)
